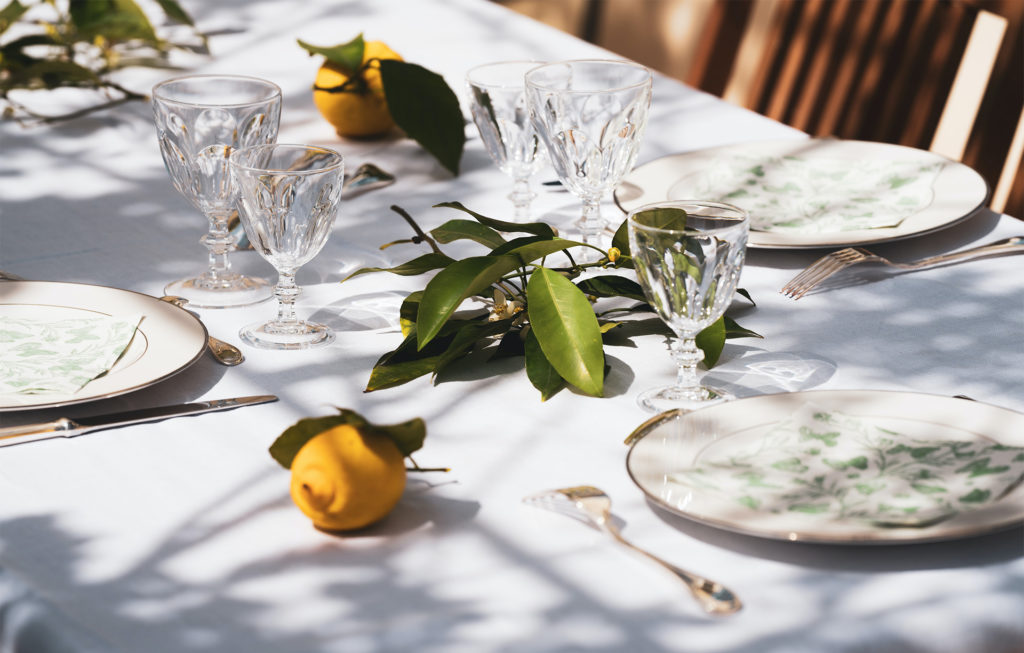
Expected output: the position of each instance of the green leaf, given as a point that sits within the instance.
(466, 337)
(662, 217)
(514, 243)
(407, 436)
(745, 293)
(346, 56)
(467, 230)
(114, 20)
(621, 238)
(535, 228)
(408, 349)
(418, 265)
(540, 372)
(423, 105)
(394, 374)
(612, 285)
(10, 14)
(16, 65)
(733, 330)
(407, 311)
(455, 283)
(532, 251)
(175, 12)
(510, 345)
(566, 329)
(711, 341)
(41, 74)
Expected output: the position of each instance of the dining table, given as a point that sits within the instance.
(180, 535)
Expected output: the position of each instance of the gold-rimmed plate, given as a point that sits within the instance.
(675, 441)
(168, 339)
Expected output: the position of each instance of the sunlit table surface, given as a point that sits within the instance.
(180, 535)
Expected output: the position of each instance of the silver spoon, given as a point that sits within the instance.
(592, 506)
(223, 352)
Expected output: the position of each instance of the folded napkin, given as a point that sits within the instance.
(832, 466)
(60, 356)
(806, 195)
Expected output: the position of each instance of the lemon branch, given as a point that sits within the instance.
(420, 237)
(17, 108)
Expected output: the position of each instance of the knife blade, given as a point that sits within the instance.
(66, 428)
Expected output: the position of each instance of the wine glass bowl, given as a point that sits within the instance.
(288, 201)
(200, 120)
(688, 255)
(498, 106)
(590, 115)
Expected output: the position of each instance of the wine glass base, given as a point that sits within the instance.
(659, 400)
(236, 291)
(300, 335)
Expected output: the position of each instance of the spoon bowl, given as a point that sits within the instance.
(223, 352)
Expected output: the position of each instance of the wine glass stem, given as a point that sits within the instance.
(591, 223)
(218, 241)
(521, 197)
(687, 356)
(286, 291)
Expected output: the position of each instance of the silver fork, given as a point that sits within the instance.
(592, 506)
(841, 259)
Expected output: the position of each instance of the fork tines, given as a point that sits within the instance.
(562, 501)
(820, 270)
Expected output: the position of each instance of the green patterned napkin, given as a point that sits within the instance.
(807, 195)
(832, 466)
(59, 356)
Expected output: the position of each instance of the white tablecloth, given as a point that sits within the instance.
(180, 535)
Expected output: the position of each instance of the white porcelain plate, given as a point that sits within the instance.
(168, 339)
(913, 191)
(674, 441)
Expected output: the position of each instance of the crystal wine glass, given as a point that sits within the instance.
(688, 256)
(288, 199)
(498, 105)
(590, 115)
(200, 119)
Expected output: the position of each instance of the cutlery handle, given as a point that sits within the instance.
(62, 427)
(1006, 245)
(713, 597)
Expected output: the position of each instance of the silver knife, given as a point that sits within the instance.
(66, 428)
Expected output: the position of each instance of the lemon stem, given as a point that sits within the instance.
(356, 83)
(416, 468)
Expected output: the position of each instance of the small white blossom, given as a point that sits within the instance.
(503, 308)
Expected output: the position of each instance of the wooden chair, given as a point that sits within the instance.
(874, 68)
(913, 73)
(924, 73)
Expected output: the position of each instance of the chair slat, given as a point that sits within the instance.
(969, 86)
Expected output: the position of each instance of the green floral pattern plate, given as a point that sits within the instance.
(838, 466)
(167, 341)
(817, 192)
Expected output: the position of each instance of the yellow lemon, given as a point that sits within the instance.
(355, 113)
(345, 478)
